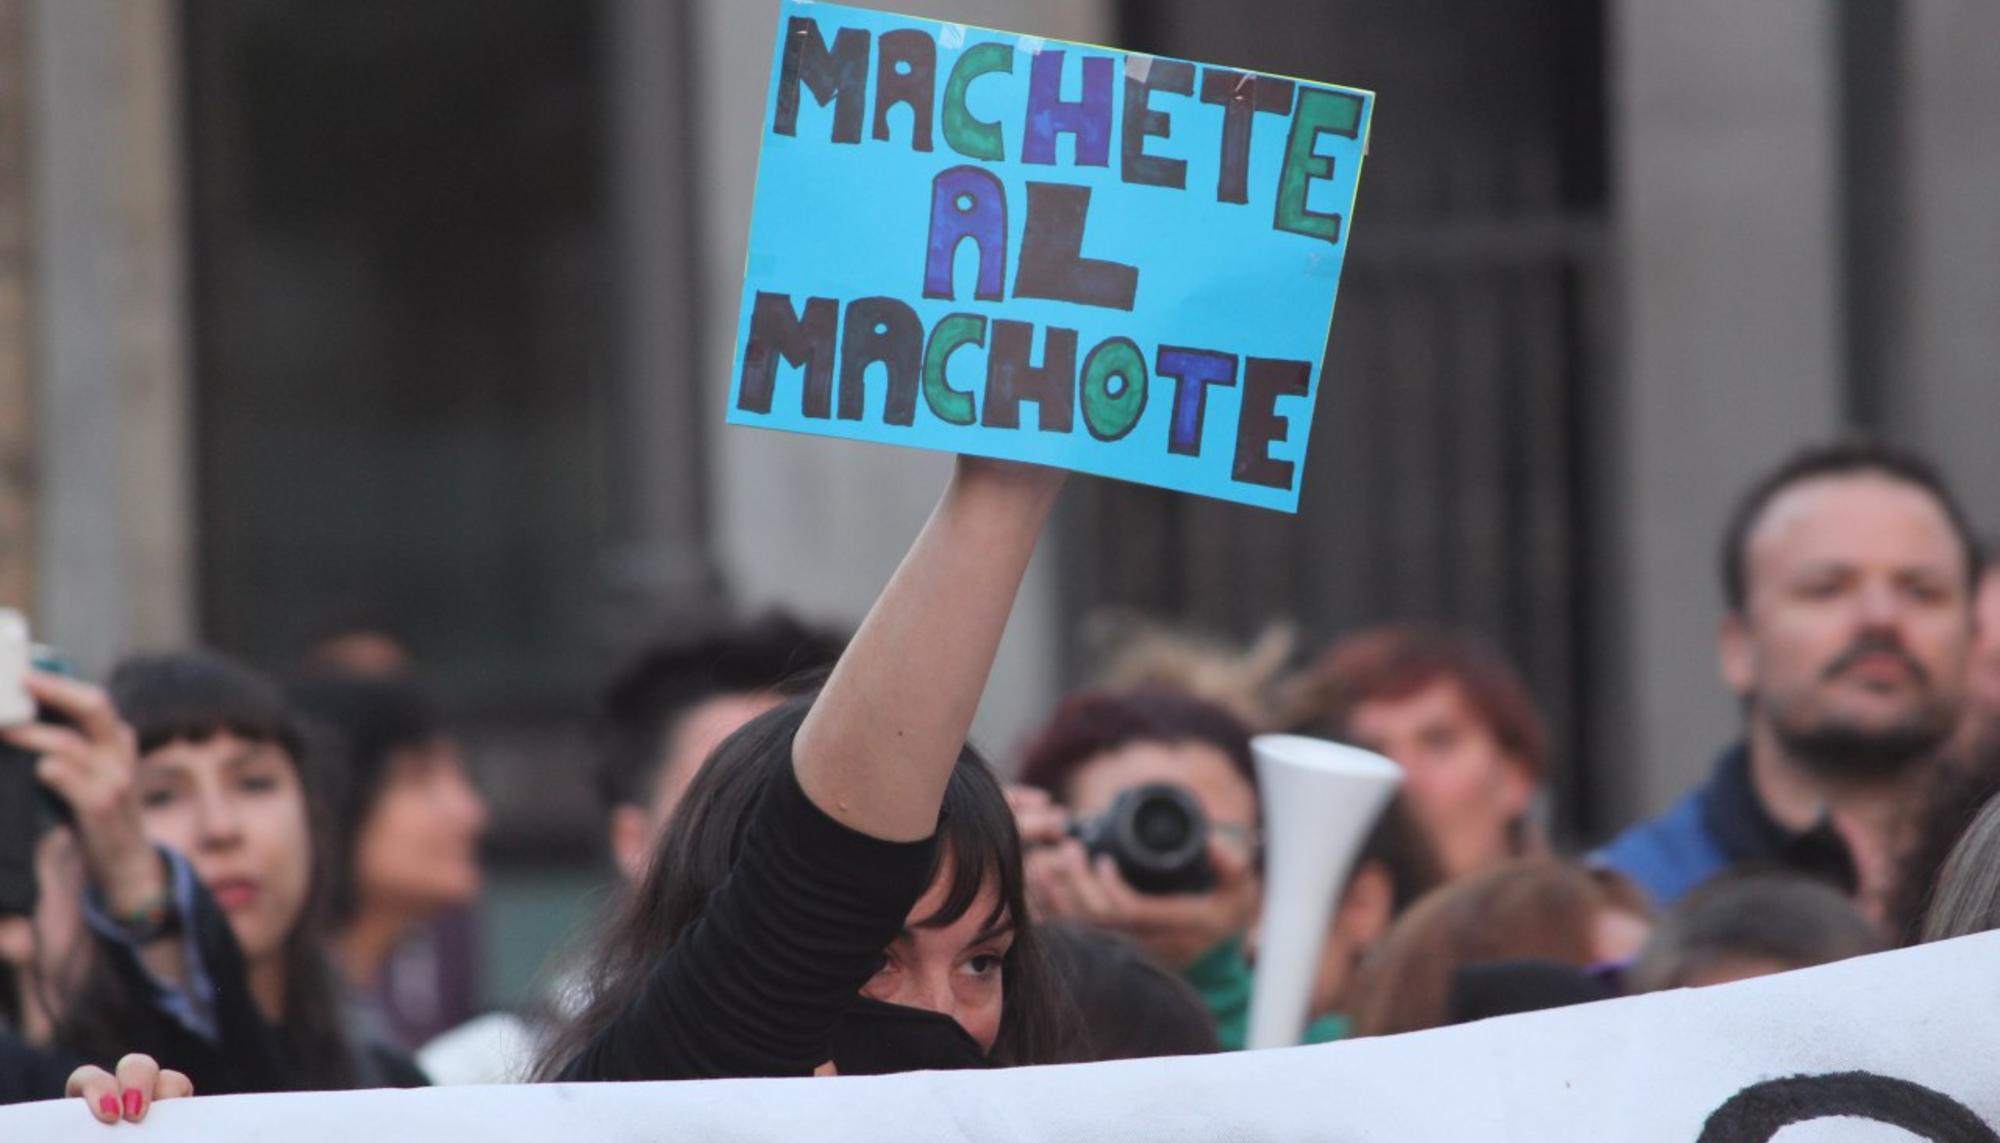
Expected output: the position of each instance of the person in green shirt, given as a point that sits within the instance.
(1100, 744)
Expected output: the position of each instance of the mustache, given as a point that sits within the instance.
(1876, 645)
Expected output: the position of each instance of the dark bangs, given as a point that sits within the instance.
(977, 838)
(193, 696)
(977, 842)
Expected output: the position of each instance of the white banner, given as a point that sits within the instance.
(1906, 1038)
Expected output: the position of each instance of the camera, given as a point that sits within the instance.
(27, 808)
(1158, 837)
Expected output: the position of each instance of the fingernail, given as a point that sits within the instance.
(107, 1106)
(134, 1102)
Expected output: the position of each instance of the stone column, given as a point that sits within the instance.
(660, 565)
(1725, 129)
(17, 289)
(1949, 401)
(115, 540)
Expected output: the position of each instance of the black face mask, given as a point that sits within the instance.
(875, 1039)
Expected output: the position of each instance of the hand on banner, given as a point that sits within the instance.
(129, 1094)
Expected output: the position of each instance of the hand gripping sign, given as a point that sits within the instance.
(1899, 1046)
(985, 243)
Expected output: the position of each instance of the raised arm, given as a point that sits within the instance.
(830, 865)
(878, 747)
(93, 766)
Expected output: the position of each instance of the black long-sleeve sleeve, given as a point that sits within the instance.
(791, 935)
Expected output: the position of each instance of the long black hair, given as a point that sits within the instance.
(703, 840)
(358, 724)
(1129, 1005)
(193, 696)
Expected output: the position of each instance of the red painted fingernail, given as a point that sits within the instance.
(134, 1102)
(108, 1105)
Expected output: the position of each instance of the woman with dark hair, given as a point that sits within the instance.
(207, 952)
(840, 891)
(405, 823)
(224, 782)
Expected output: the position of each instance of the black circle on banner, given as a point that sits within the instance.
(1757, 1113)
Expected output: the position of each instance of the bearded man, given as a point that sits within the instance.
(1849, 574)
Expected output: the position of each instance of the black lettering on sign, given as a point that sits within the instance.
(1757, 1113)
(907, 74)
(881, 331)
(1258, 424)
(839, 77)
(1241, 95)
(1142, 121)
(1052, 261)
(1012, 378)
(803, 339)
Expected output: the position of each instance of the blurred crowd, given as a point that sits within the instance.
(229, 876)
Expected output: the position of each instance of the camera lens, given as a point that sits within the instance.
(1159, 838)
(1161, 825)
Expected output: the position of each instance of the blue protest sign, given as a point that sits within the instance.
(986, 243)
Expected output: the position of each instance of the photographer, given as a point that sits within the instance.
(1098, 755)
(1100, 745)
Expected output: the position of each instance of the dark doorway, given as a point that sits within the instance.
(398, 287)
(1453, 447)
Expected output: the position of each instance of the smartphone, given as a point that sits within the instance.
(16, 654)
(27, 807)
(18, 812)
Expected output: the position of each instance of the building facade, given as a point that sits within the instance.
(417, 315)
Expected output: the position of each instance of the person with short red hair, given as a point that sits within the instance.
(1455, 715)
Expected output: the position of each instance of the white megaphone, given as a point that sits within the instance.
(1320, 799)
